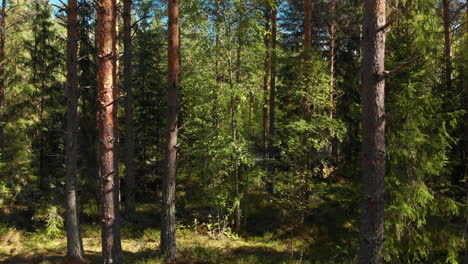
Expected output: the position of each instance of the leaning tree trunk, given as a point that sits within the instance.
(373, 138)
(2, 74)
(271, 150)
(107, 81)
(168, 225)
(74, 241)
(129, 123)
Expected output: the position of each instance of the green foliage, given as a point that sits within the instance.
(53, 222)
(422, 207)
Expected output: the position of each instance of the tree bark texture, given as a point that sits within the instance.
(168, 225)
(74, 241)
(107, 80)
(373, 138)
(271, 149)
(129, 122)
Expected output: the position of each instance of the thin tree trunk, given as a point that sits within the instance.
(465, 91)
(107, 80)
(332, 57)
(271, 150)
(447, 45)
(74, 241)
(218, 75)
(332, 69)
(168, 226)
(237, 220)
(308, 30)
(129, 123)
(266, 76)
(373, 137)
(307, 109)
(2, 74)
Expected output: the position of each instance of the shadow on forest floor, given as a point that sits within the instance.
(197, 255)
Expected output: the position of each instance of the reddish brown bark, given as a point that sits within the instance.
(74, 242)
(168, 227)
(107, 81)
(129, 122)
(373, 134)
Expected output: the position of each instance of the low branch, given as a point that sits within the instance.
(401, 66)
(65, 5)
(139, 20)
(60, 8)
(113, 102)
(458, 27)
(455, 14)
(388, 24)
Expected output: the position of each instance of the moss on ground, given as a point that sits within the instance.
(141, 246)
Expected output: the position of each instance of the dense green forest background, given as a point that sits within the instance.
(246, 174)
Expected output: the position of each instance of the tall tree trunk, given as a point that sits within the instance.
(271, 150)
(129, 123)
(266, 41)
(74, 241)
(307, 108)
(308, 29)
(234, 101)
(331, 61)
(2, 74)
(447, 45)
(218, 74)
(107, 81)
(465, 91)
(331, 55)
(168, 227)
(373, 134)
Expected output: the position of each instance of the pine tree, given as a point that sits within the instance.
(373, 134)
(108, 93)
(74, 241)
(168, 228)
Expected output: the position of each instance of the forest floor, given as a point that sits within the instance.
(140, 245)
(192, 248)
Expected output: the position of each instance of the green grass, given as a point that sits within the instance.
(142, 246)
